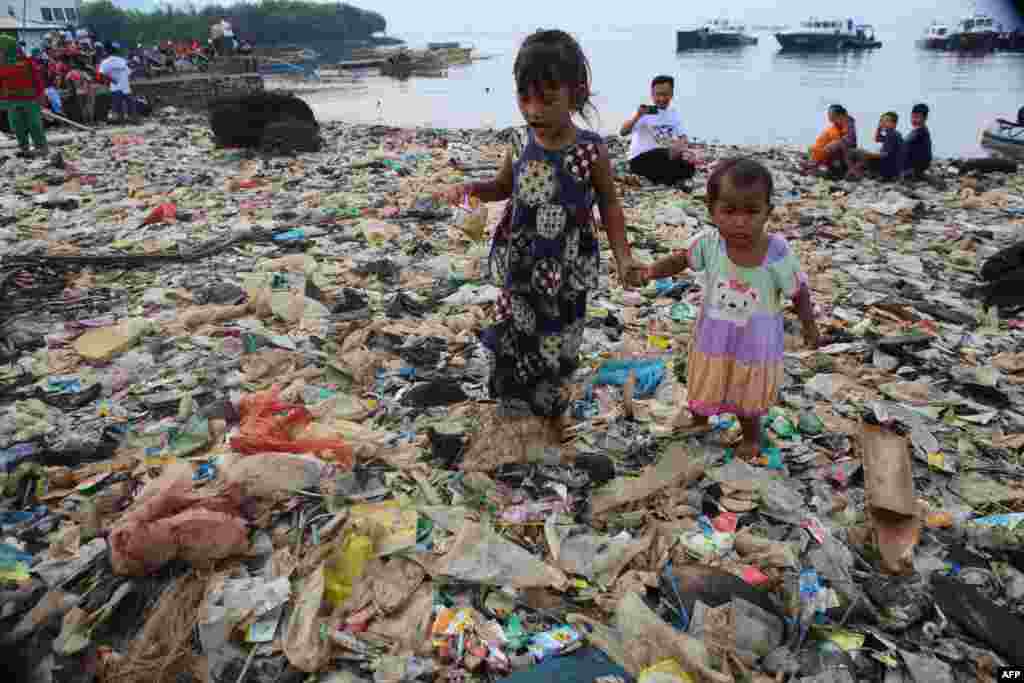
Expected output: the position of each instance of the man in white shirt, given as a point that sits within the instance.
(229, 36)
(657, 147)
(116, 70)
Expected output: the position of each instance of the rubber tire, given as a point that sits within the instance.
(290, 136)
(239, 120)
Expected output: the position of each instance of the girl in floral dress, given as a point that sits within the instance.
(735, 357)
(545, 254)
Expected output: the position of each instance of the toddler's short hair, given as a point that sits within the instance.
(743, 172)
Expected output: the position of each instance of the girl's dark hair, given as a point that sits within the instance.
(743, 173)
(553, 56)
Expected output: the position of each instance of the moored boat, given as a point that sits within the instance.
(936, 37)
(715, 33)
(1005, 137)
(828, 34)
(1011, 40)
(977, 31)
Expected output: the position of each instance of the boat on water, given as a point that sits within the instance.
(408, 63)
(828, 34)
(452, 54)
(289, 54)
(936, 37)
(1012, 41)
(1005, 137)
(714, 33)
(977, 31)
(280, 68)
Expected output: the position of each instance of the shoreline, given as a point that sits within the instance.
(157, 121)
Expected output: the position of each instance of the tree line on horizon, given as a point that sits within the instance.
(266, 22)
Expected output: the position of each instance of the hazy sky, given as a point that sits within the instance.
(479, 15)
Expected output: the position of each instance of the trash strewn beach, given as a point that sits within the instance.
(245, 432)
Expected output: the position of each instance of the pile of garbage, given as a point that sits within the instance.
(245, 432)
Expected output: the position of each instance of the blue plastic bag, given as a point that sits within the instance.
(649, 374)
(670, 287)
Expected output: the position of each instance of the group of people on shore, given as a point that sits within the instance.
(660, 150)
(76, 76)
(65, 79)
(835, 152)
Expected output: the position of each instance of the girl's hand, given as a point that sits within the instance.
(632, 273)
(452, 194)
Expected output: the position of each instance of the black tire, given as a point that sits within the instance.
(290, 136)
(239, 120)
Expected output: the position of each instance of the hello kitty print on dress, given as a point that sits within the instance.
(736, 352)
(734, 301)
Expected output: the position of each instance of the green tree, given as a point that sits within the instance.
(267, 22)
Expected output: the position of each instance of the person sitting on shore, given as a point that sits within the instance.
(657, 146)
(918, 154)
(887, 163)
(831, 150)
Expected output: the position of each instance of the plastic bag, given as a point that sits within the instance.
(641, 639)
(471, 218)
(269, 425)
(346, 567)
(303, 646)
(171, 521)
(649, 374)
(165, 213)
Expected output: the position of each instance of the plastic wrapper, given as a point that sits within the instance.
(549, 643)
(471, 219)
(304, 647)
(479, 555)
(667, 671)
